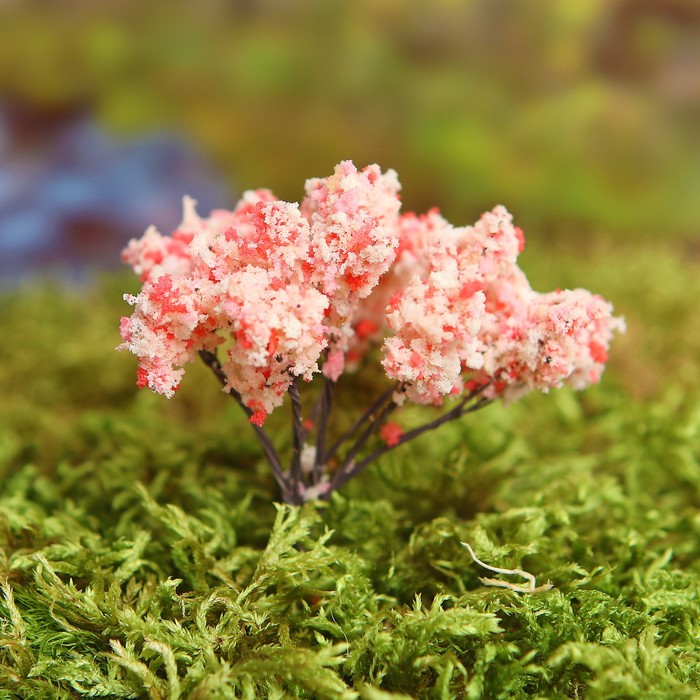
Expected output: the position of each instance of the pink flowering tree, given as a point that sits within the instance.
(274, 293)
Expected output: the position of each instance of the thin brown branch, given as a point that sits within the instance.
(298, 437)
(351, 469)
(325, 405)
(212, 362)
(374, 407)
(349, 459)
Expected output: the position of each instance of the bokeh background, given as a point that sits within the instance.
(582, 117)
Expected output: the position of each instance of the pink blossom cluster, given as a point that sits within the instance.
(278, 280)
(292, 290)
(467, 316)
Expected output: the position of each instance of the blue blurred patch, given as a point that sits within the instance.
(71, 195)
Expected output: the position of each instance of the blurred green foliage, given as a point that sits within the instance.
(582, 113)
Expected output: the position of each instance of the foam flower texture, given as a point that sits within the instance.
(353, 216)
(543, 341)
(276, 284)
(469, 312)
(296, 289)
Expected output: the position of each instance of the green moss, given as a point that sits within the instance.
(142, 555)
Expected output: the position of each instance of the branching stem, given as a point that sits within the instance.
(295, 474)
(375, 406)
(292, 484)
(374, 421)
(325, 405)
(212, 361)
(351, 469)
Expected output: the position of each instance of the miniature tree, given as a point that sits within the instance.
(295, 292)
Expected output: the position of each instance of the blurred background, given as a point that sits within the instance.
(582, 117)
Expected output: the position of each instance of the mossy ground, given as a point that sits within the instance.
(142, 555)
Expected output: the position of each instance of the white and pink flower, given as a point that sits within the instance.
(294, 290)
